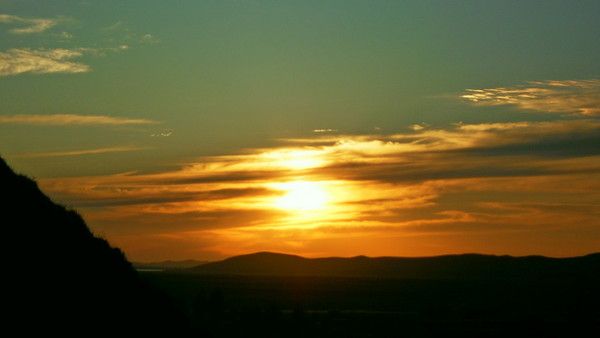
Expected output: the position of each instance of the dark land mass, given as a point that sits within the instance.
(61, 280)
(168, 265)
(276, 295)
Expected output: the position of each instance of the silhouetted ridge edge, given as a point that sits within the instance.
(447, 266)
(64, 279)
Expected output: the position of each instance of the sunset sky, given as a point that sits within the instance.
(205, 129)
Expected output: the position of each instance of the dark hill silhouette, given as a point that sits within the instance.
(169, 264)
(276, 295)
(450, 266)
(61, 279)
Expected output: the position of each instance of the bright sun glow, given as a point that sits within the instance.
(302, 196)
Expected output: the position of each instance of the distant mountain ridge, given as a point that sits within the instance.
(449, 266)
(169, 264)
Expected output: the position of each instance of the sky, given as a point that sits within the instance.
(205, 129)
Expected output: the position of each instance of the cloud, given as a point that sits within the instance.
(149, 39)
(324, 130)
(172, 197)
(121, 31)
(484, 181)
(79, 152)
(419, 126)
(28, 25)
(71, 119)
(65, 36)
(580, 97)
(42, 61)
(163, 133)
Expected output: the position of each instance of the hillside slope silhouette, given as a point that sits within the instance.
(61, 279)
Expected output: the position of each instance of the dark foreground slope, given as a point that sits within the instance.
(60, 278)
(467, 266)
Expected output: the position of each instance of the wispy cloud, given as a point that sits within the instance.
(71, 119)
(81, 152)
(149, 39)
(42, 61)
(419, 126)
(452, 182)
(27, 25)
(163, 133)
(580, 97)
(324, 130)
(121, 31)
(59, 60)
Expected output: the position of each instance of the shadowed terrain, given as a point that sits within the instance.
(276, 295)
(169, 264)
(60, 278)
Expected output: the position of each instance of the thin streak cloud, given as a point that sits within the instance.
(81, 152)
(71, 119)
(580, 97)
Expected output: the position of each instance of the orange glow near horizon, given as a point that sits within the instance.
(414, 193)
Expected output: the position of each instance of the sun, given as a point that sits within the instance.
(302, 196)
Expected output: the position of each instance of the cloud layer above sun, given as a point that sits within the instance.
(494, 182)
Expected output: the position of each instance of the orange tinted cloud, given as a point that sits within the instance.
(439, 187)
(81, 152)
(71, 119)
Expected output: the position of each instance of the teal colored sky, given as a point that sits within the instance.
(156, 86)
(230, 74)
